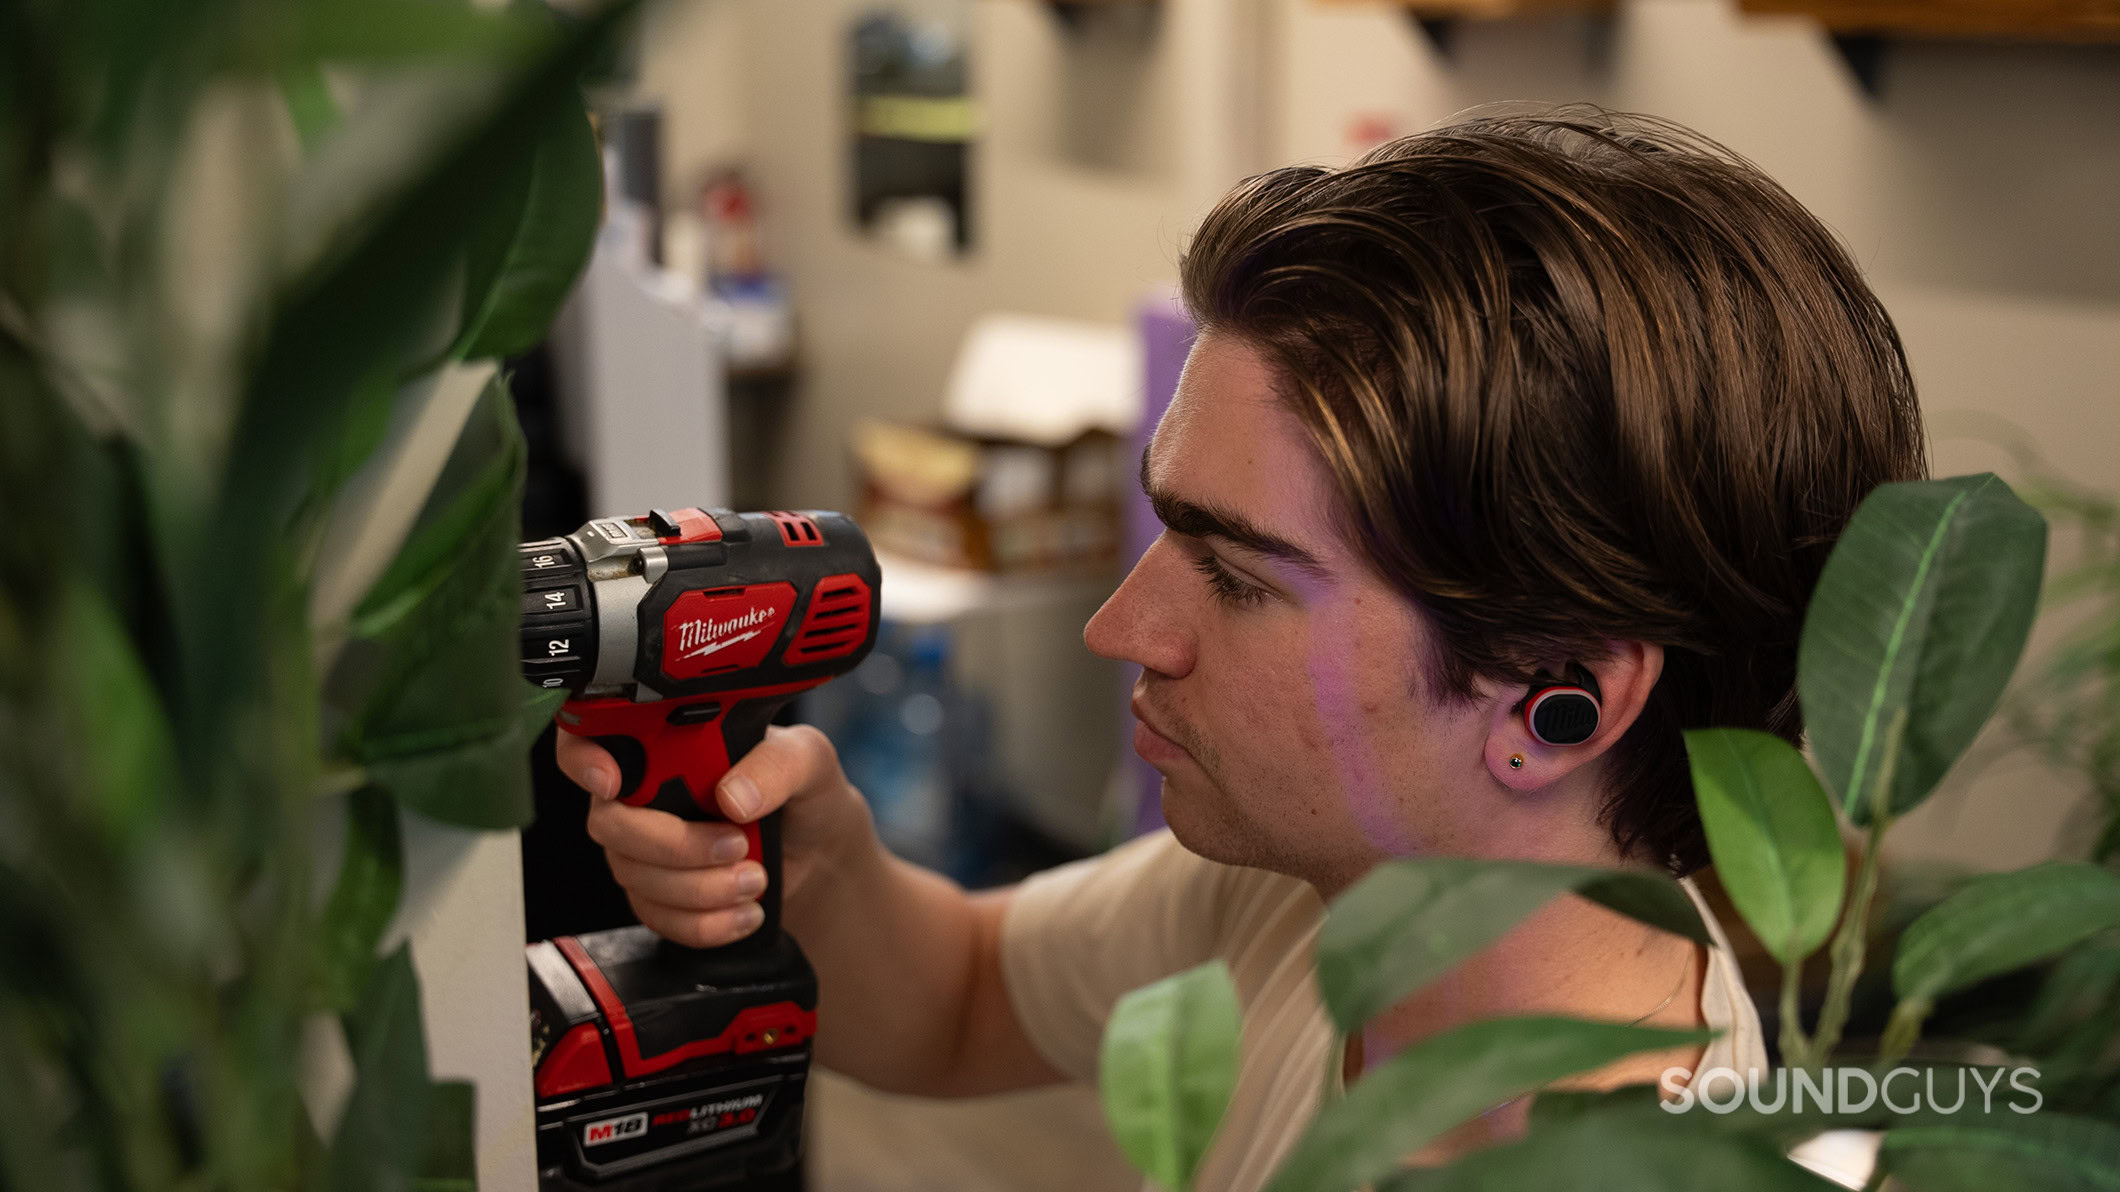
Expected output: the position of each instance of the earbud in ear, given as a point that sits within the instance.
(1562, 711)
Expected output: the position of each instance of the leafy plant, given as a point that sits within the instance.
(2068, 705)
(262, 473)
(1919, 618)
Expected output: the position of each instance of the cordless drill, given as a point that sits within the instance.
(677, 637)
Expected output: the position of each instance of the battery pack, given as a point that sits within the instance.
(663, 1069)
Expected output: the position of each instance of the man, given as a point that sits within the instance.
(1516, 396)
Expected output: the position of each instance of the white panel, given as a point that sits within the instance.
(653, 414)
(463, 912)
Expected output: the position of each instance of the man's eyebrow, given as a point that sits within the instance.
(1196, 519)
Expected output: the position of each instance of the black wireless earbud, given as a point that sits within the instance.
(1562, 711)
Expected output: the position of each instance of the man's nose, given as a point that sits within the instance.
(1144, 622)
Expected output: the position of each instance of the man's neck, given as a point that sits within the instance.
(1572, 958)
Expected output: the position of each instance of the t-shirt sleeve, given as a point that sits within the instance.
(1077, 938)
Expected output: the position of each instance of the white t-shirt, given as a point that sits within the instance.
(1079, 937)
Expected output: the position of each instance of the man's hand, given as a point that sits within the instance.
(686, 880)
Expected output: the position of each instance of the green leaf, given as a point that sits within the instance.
(1168, 1066)
(364, 310)
(111, 701)
(539, 709)
(1924, 605)
(479, 780)
(2081, 984)
(1594, 1154)
(2003, 921)
(382, 1135)
(1437, 1083)
(1555, 1106)
(363, 900)
(1772, 832)
(451, 1161)
(400, 30)
(526, 256)
(2048, 1151)
(478, 492)
(309, 103)
(428, 694)
(1650, 898)
(1410, 921)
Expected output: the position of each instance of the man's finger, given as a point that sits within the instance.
(713, 888)
(789, 759)
(698, 929)
(659, 838)
(590, 765)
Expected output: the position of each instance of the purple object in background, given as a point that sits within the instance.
(1166, 336)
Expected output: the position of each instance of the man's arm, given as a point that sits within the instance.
(911, 995)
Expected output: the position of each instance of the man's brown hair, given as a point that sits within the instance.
(1578, 377)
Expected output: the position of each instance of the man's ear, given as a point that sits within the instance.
(1625, 676)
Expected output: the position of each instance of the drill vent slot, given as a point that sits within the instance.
(836, 623)
(797, 530)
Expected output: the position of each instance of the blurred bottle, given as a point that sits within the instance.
(926, 768)
(896, 736)
(731, 264)
(734, 257)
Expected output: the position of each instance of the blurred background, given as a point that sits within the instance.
(912, 259)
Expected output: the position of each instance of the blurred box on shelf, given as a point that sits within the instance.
(987, 502)
(1024, 472)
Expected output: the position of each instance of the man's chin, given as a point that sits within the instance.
(1199, 817)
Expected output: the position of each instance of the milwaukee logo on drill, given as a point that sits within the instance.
(695, 638)
(723, 630)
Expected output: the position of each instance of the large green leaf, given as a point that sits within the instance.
(429, 691)
(1773, 835)
(2082, 985)
(469, 514)
(451, 1161)
(309, 103)
(524, 259)
(363, 899)
(1552, 1107)
(2003, 921)
(1621, 1154)
(398, 30)
(364, 311)
(383, 1132)
(113, 703)
(1168, 1066)
(1924, 606)
(1410, 921)
(1437, 1083)
(2048, 1151)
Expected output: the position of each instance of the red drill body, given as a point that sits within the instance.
(679, 637)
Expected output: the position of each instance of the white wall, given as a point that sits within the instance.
(1979, 192)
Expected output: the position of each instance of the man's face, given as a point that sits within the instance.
(1281, 694)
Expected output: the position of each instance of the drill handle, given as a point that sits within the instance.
(672, 753)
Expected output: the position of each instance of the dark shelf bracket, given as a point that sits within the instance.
(1442, 33)
(1864, 55)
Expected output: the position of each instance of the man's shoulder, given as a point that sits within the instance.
(1158, 875)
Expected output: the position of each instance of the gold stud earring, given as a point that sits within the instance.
(1516, 761)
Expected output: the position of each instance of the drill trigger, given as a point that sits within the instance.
(632, 759)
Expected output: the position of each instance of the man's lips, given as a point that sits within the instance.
(1153, 745)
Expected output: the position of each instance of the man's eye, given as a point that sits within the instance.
(1227, 588)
